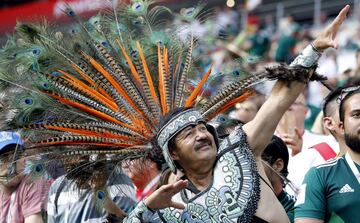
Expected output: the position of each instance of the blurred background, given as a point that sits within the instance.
(303, 11)
(271, 30)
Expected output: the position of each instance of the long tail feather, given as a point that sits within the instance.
(162, 90)
(92, 111)
(229, 104)
(108, 76)
(183, 76)
(90, 91)
(229, 92)
(191, 99)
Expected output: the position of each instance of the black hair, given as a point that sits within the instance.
(274, 150)
(333, 95)
(342, 104)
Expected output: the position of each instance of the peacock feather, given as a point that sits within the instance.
(101, 88)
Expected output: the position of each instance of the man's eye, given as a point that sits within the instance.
(202, 128)
(186, 134)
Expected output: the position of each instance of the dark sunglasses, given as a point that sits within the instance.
(346, 91)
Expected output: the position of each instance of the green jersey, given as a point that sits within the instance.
(288, 202)
(331, 192)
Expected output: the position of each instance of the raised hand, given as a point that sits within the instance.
(327, 37)
(161, 198)
(293, 141)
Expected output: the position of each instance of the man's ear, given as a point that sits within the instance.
(341, 127)
(173, 153)
(329, 123)
(278, 165)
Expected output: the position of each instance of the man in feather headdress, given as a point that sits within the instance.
(216, 182)
(105, 89)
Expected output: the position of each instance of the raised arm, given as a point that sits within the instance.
(262, 127)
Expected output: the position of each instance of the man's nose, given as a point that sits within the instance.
(201, 134)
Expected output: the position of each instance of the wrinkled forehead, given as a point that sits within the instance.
(178, 123)
(188, 127)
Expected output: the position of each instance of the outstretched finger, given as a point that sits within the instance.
(297, 132)
(179, 185)
(177, 205)
(175, 187)
(340, 17)
(289, 142)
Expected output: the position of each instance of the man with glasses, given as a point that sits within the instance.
(21, 199)
(323, 150)
(331, 192)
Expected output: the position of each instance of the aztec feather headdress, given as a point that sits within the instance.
(103, 87)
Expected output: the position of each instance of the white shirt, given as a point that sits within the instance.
(300, 163)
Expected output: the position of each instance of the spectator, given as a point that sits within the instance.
(258, 43)
(191, 150)
(21, 199)
(291, 128)
(71, 198)
(244, 111)
(326, 149)
(145, 174)
(286, 45)
(276, 157)
(331, 192)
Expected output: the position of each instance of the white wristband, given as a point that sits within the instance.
(308, 57)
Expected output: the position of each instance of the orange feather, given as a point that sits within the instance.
(131, 65)
(93, 112)
(166, 62)
(232, 102)
(83, 75)
(81, 85)
(108, 76)
(161, 82)
(191, 100)
(147, 74)
(88, 79)
(82, 143)
(92, 133)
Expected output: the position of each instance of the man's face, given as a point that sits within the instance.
(294, 117)
(194, 147)
(3, 168)
(299, 108)
(351, 124)
(245, 111)
(140, 171)
(10, 181)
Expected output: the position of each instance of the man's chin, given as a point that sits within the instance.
(353, 142)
